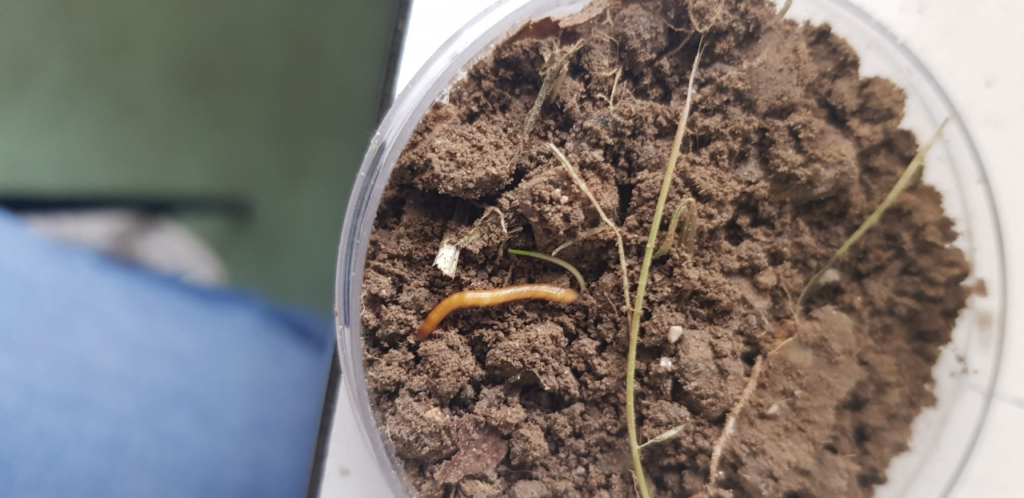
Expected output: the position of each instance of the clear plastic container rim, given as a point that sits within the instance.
(375, 169)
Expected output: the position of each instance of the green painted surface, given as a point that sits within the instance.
(272, 101)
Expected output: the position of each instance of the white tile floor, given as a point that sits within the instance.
(973, 48)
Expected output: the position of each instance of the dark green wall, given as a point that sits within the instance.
(271, 101)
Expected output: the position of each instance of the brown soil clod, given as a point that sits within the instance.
(789, 148)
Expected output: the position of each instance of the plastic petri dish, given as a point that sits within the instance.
(964, 376)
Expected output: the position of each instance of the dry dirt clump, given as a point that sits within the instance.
(787, 150)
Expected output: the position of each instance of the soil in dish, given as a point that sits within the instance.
(788, 150)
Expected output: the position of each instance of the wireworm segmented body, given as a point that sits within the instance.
(479, 298)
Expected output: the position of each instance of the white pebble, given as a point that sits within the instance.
(665, 362)
(564, 199)
(674, 333)
(434, 413)
(831, 276)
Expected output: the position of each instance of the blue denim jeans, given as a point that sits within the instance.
(116, 382)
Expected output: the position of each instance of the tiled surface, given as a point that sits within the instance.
(995, 468)
(973, 50)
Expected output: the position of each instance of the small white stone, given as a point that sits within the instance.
(564, 199)
(674, 333)
(556, 193)
(434, 413)
(665, 362)
(831, 276)
(772, 411)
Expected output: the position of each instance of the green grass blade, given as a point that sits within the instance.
(670, 235)
(641, 287)
(585, 235)
(551, 259)
(664, 436)
(901, 184)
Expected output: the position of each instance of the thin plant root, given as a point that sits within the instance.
(477, 230)
(605, 36)
(675, 50)
(690, 229)
(781, 345)
(480, 298)
(585, 235)
(730, 420)
(582, 185)
(554, 87)
(615, 86)
(501, 217)
(611, 95)
(901, 184)
(558, 261)
(555, 67)
(673, 28)
(641, 287)
(689, 207)
(706, 29)
(508, 276)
